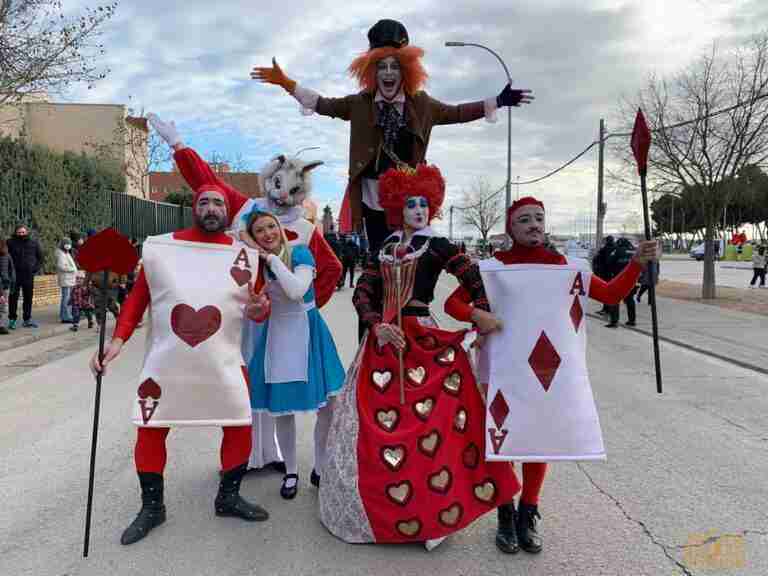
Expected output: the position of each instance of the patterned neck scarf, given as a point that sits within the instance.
(391, 122)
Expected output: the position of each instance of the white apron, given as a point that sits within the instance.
(540, 405)
(287, 350)
(193, 373)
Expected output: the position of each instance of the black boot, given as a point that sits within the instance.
(230, 503)
(506, 533)
(527, 536)
(152, 511)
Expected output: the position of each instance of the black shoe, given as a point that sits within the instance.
(630, 323)
(527, 536)
(74, 327)
(612, 325)
(152, 511)
(230, 503)
(289, 493)
(314, 479)
(506, 533)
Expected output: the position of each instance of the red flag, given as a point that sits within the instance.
(641, 142)
(108, 250)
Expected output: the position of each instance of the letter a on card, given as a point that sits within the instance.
(578, 285)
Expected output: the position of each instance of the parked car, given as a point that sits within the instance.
(697, 252)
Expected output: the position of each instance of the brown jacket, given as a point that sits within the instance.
(422, 113)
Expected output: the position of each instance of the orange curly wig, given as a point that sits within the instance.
(363, 68)
(396, 186)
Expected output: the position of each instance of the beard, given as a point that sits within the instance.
(211, 223)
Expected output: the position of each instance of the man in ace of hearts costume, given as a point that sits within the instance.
(539, 402)
(199, 282)
(285, 184)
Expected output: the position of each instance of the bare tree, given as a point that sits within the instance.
(481, 209)
(42, 50)
(696, 150)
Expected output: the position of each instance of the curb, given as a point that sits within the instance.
(32, 337)
(739, 363)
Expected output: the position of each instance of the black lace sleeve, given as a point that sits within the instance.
(368, 297)
(466, 271)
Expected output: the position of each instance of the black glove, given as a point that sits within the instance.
(509, 97)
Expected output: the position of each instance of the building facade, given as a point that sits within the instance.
(104, 130)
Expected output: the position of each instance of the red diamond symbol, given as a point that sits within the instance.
(544, 360)
(499, 409)
(576, 313)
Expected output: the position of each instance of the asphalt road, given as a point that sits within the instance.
(689, 271)
(688, 463)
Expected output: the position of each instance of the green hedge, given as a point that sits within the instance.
(54, 194)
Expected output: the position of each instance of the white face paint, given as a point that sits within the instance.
(416, 212)
(389, 78)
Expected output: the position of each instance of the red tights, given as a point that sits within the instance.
(533, 478)
(150, 454)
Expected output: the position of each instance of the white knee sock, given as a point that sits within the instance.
(286, 436)
(322, 425)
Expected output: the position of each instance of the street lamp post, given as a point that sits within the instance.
(508, 201)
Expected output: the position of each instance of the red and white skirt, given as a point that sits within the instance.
(414, 471)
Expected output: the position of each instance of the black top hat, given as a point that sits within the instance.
(387, 33)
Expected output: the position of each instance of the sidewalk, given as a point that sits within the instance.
(734, 336)
(47, 317)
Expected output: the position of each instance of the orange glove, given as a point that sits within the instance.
(274, 75)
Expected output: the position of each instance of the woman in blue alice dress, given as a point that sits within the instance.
(295, 366)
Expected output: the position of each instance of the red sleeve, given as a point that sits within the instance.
(197, 172)
(617, 289)
(459, 305)
(133, 309)
(327, 266)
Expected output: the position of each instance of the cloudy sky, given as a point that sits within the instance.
(189, 62)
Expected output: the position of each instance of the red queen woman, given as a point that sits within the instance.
(404, 460)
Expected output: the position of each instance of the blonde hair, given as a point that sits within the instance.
(285, 248)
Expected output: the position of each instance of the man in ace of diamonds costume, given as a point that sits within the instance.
(286, 202)
(391, 118)
(525, 225)
(197, 282)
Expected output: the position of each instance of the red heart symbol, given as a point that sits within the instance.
(291, 235)
(192, 326)
(150, 389)
(241, 276)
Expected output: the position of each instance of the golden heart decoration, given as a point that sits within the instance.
(381, 379)
(441, 481)
(460, 420)
(387, 419)
(452, 383)
(417, 374)
(423, 408)
(447, 356)
(450, 516)
(485, 491)
(429, 443)
(409, 527)
(400, 493)
(393, 456)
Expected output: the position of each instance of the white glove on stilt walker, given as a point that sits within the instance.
(166, 130)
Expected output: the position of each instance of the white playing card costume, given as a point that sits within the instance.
(539, 405)
(193, 373)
